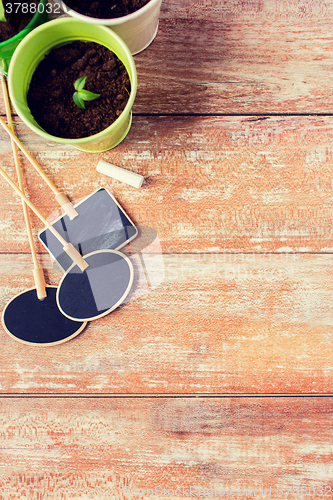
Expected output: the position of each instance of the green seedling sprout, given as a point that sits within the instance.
(81, 94)
(2, 12)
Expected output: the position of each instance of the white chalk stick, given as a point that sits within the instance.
(120, 174)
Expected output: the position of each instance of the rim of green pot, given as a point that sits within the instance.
(27, 29)
(7, 47)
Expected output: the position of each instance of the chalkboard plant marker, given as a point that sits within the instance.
(137, 28)
(33, 317)
(101, 288)
(102, 224)
(67, 247)
(38, 322)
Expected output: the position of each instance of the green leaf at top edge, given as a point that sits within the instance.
(78, 100)
(2, 12)
(80, 82)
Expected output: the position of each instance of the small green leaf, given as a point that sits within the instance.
(78, 100)
(81, 94)
(2, 12)
(86, 95)
(80, 82)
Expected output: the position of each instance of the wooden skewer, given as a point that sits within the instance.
(37, 271)
(67, 247)
(60, 197)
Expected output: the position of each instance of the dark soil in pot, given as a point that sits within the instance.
(50, 96)
(18, 16)
(106, 9)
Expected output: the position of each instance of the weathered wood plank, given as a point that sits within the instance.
(212, 184)
(213, 56)
(106, 448)
(223, 323)
(239, 57)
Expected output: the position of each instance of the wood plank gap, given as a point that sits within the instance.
(264, 115)
(164, 396)
(197, 253)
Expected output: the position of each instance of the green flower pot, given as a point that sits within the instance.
(39, 43)
(8, 46)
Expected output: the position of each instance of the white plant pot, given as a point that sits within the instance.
(137, 30)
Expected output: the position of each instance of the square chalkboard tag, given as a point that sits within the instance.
(101, 224)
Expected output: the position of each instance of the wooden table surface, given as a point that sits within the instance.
(215, 377)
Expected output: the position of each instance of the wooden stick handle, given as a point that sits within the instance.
(75, 256)
(37, 271)
(60, 197)
(40, 284)
(70, 250)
